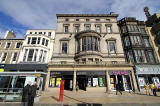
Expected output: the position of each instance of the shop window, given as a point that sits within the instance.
(8, 45)
(29, 40)
(55, 80)
(18, 44)
(112, 48)
(109, 28)
(30, 55)
(64, 47)
(96, 81)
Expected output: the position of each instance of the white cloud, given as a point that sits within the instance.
(41, 14)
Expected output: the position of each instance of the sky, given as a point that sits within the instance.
(20, 15)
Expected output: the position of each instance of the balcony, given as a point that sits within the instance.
(98, 63)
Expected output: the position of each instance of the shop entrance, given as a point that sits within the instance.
(120, 81)
(68, 82)
(82, 82)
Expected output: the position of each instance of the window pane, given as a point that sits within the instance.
(4, 57)
(146, 42)
(25, 54)
(46, 43)
(65, 28)
(35, 55)
(14, 57)
(143, 31)
(151, 57)
(39, 39)
(76, 29)
(84, 44)
(30, 55)
(34, 40)
(40, 57)
(89, 43)
(111, 47)
(64, 47)
(8, 45)
(43, 41)
(18, 45)
(29, 39)
(98, 29)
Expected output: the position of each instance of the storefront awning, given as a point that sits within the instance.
(147, 69)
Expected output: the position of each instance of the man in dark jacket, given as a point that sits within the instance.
(118, 88)
(33, 95)
(26, 94)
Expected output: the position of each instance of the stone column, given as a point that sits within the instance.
(74, 80)
(107, 82)
(47, 80)
(134, 81)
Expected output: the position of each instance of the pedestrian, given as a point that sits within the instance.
(154, 89)
(147, 89)
(118, 88)
(34, 93)
(26, 94)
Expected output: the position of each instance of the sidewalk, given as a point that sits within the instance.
(87, 97)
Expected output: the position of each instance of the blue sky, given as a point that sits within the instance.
(20, 15)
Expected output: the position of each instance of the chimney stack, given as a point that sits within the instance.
(147, 12)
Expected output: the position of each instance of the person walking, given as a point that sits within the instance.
(26, 94)
(34, 93)
(118, 88)
(147, 89)
(154, 89)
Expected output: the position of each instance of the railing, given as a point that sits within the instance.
(10, 94)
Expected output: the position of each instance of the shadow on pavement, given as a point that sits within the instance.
(76, 100)
(55, 98)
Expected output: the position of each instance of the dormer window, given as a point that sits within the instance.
(77, 19)
(87, 20)
(97, 20)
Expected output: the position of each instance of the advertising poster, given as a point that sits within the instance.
(141, 81)
(58, 82)
(53, 81)
(101, 81)
(89, 82)
(95, 82)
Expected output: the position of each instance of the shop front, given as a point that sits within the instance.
(16, 76)
(57, 76)
(123, 78)
(147, 74)
(91, 79)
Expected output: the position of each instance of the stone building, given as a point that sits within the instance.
(88, 54)
(139, 50)
(10, 48)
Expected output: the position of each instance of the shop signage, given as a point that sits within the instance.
(2, 67)
(61, 72)
(120, 72)
(91, 73)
